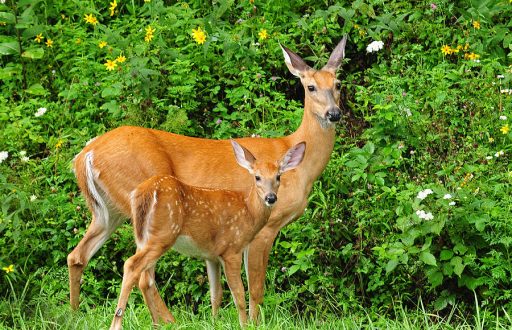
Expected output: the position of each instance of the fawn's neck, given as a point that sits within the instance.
(257, 208)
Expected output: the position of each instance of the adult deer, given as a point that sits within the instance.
(212, 224)
(109, 168)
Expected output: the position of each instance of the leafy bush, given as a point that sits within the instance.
(430, 111)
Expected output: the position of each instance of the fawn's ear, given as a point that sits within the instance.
(243, 156)
(337, 56)
(293, 157)
(294, 62)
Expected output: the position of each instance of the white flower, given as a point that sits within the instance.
(447, 196)
(424, 193)
(33, 198)
(451, 203)
(375, 46)
(500, 76)
(424, 215)
(499, 153)
(40, 112)
(503, 117)
(3, 155)
(24, 159)
(488, 157)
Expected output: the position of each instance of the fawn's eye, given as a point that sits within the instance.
(338, 85)
(278, 177)
(257, 177)
(311, 88)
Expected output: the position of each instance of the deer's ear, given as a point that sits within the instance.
(293, 157)
(243, 156)
(337, 56)
(294, 62)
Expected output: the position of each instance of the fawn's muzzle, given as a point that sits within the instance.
(270, 199)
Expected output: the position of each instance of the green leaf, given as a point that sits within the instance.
(114, 90)
(435, 278)
(8, 72)
(428, 258)
(33, 53)
(9, 48)
(111, 107)
(36, 89)
(7, 17)
(22, 3)
(391, 265)
(458, 266)
(293, 269)
(446, 255)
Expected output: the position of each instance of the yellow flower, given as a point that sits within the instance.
(149, 34)
(59, 144)
(199, 36)
(91, 19)
(491, 140)
(147, 1)
(120, 59)
(505, 129)
(110, 65)
(113, 6)
(49, 43)
(263, 34)
(8, 269)
(39, 38)
(356, 26)
(150, 30)
(476, 25)
(102, 44)
(446, 50)
(471, 56)
(78, 41)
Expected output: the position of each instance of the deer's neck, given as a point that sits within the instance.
(319, 136)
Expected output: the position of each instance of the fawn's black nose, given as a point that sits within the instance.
(334, 114)
(270, 198)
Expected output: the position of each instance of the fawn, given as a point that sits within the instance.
(211, 224)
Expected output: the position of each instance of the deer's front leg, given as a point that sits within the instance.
(232, 264)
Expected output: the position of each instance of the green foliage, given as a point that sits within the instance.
(431, 110)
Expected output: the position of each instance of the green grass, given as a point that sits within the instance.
(52, 311)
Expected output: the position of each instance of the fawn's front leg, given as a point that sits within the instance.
(158, 309)
(133, 268)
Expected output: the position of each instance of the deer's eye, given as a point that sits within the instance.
(338, 85)
(257, 177)
(278, 177)
(311, 88)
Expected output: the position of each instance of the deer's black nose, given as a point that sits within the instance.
(334, 115)
(270, 198)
